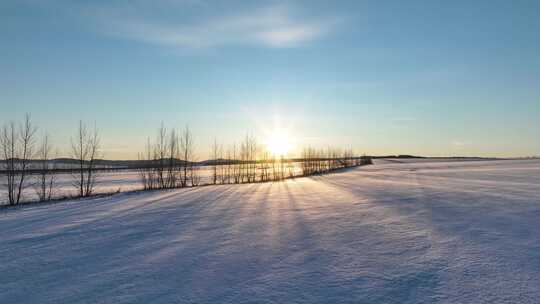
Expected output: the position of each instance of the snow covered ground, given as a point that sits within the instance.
(407, 232)
(106, 182)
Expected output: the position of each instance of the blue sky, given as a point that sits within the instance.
(383, 77)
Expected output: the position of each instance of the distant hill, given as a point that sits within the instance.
(70, 163)
(67, 163)
(397, 156)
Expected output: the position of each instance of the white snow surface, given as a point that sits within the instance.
(409, 232)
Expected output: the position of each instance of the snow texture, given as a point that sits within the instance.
(394, 232)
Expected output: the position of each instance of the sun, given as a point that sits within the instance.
(278, 144)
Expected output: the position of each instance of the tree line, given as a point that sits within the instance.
(173, 165)
(169, 161)
(171, 156)
(250, 162)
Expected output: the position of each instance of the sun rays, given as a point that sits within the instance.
(278, 143)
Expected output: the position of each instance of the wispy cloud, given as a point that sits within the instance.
(458, 144)
(276, 26)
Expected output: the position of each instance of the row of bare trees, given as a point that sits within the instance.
(247, 162)
(169, 161)
(251, 162)
(26, 161)
(320, 161)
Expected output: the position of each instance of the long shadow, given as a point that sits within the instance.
(91, 217)
(131, 237)
(424, 279)
(453, 215)
(286, 241)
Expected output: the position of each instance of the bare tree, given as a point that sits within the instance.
(214, 160)
(94, 143)
(26, 139)
(17, 146)
(79, 151)
(248, 156)
(45, 179)
(264, 165)
(85, 148)
(10, 154)
(237, 176)
(290, 168)
(221, 165)
(228, 170)
(274, 170)
(174, 150)
(157, 170)
(160, 151)
(195, 176)
(147, 171)
(253, 148)
(187, 153)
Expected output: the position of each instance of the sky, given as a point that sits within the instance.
(434, 78)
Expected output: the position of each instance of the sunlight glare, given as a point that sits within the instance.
(278, 144)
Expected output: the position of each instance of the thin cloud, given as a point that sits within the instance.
(275, 27)
(458, 144)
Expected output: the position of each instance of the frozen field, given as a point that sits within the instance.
(107, 182)
(410, 232)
